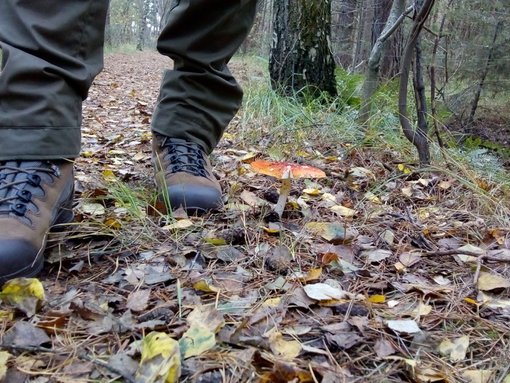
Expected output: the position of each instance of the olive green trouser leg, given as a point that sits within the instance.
(52, 50)
(199, 97)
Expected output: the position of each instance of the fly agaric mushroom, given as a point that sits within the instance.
(285, 171)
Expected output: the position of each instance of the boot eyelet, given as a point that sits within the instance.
(19, 209)
(34, 180)
(24, 195)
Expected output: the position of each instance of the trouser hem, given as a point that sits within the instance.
(39, 143)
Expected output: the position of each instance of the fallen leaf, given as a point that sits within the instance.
(343, 211)
(455, 349)
(488, 282)
(409, 259)
(376, 255)
(137, 300)
(93, 208)
(406, 326)
(343, 340)
(197, 340)
(251, 199)
(161, 359)
(179, 225)
(383, 348)
(311, 275)
(323, 292)
(4, 357)
(332, 232)
(208, 316)
(471, 249)
(377, 298)
(25, 334)
(286, 349)
(477, 376)
(26, 294)
(314, 192)
(205, 286)
(422, 309)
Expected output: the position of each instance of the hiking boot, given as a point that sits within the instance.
(184, 175)
(34, 196)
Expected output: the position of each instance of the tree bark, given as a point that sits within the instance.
(395, 18)
(301, 59)
(481, 83)
(418, 137)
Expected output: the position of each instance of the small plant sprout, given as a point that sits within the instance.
(285, 171)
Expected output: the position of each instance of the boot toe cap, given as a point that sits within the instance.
(194, 198)
(18, 258)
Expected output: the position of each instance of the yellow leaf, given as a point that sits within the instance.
(287, 350)
(216, 241)
(343, 211)
(488, 281)
(205, 286)
(477, 376)
(18, 289)
(455, 350)
(113, 223)
(9, 315)
(271, 230)
(180, 224)
(377, 298)
(471, 301)
(422, 309)
(373, 198)
(272, 302)
(313, 274)
(161, 358)
(109, 175)
(312, 191)
(4, 357)
(404, 169)
(249, 157)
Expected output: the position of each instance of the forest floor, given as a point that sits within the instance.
(376, 273)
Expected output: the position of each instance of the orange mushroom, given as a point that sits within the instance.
(285, 171)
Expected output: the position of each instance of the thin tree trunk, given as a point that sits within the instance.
(419, 90)
(395, 18)
(416, 136)
(359, 35)
(481, 83)
(433, 60)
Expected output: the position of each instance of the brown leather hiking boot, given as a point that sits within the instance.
(184, 175)
(34, 195)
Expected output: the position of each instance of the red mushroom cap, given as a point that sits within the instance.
(280, 169)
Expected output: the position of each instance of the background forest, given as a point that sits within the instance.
(464, 48)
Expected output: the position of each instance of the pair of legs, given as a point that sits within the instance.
(52, 51)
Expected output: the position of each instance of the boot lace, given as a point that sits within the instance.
(184, 156)
(20, 182)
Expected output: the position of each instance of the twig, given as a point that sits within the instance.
(492, 257)
(127, 377)
(452, 252)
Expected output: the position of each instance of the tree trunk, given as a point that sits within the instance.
(301, 59)
(417, 136)
(395, 18)
(343, 29)
(481, 83)
(142, 27)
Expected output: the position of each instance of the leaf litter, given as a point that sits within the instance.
(373, 273)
